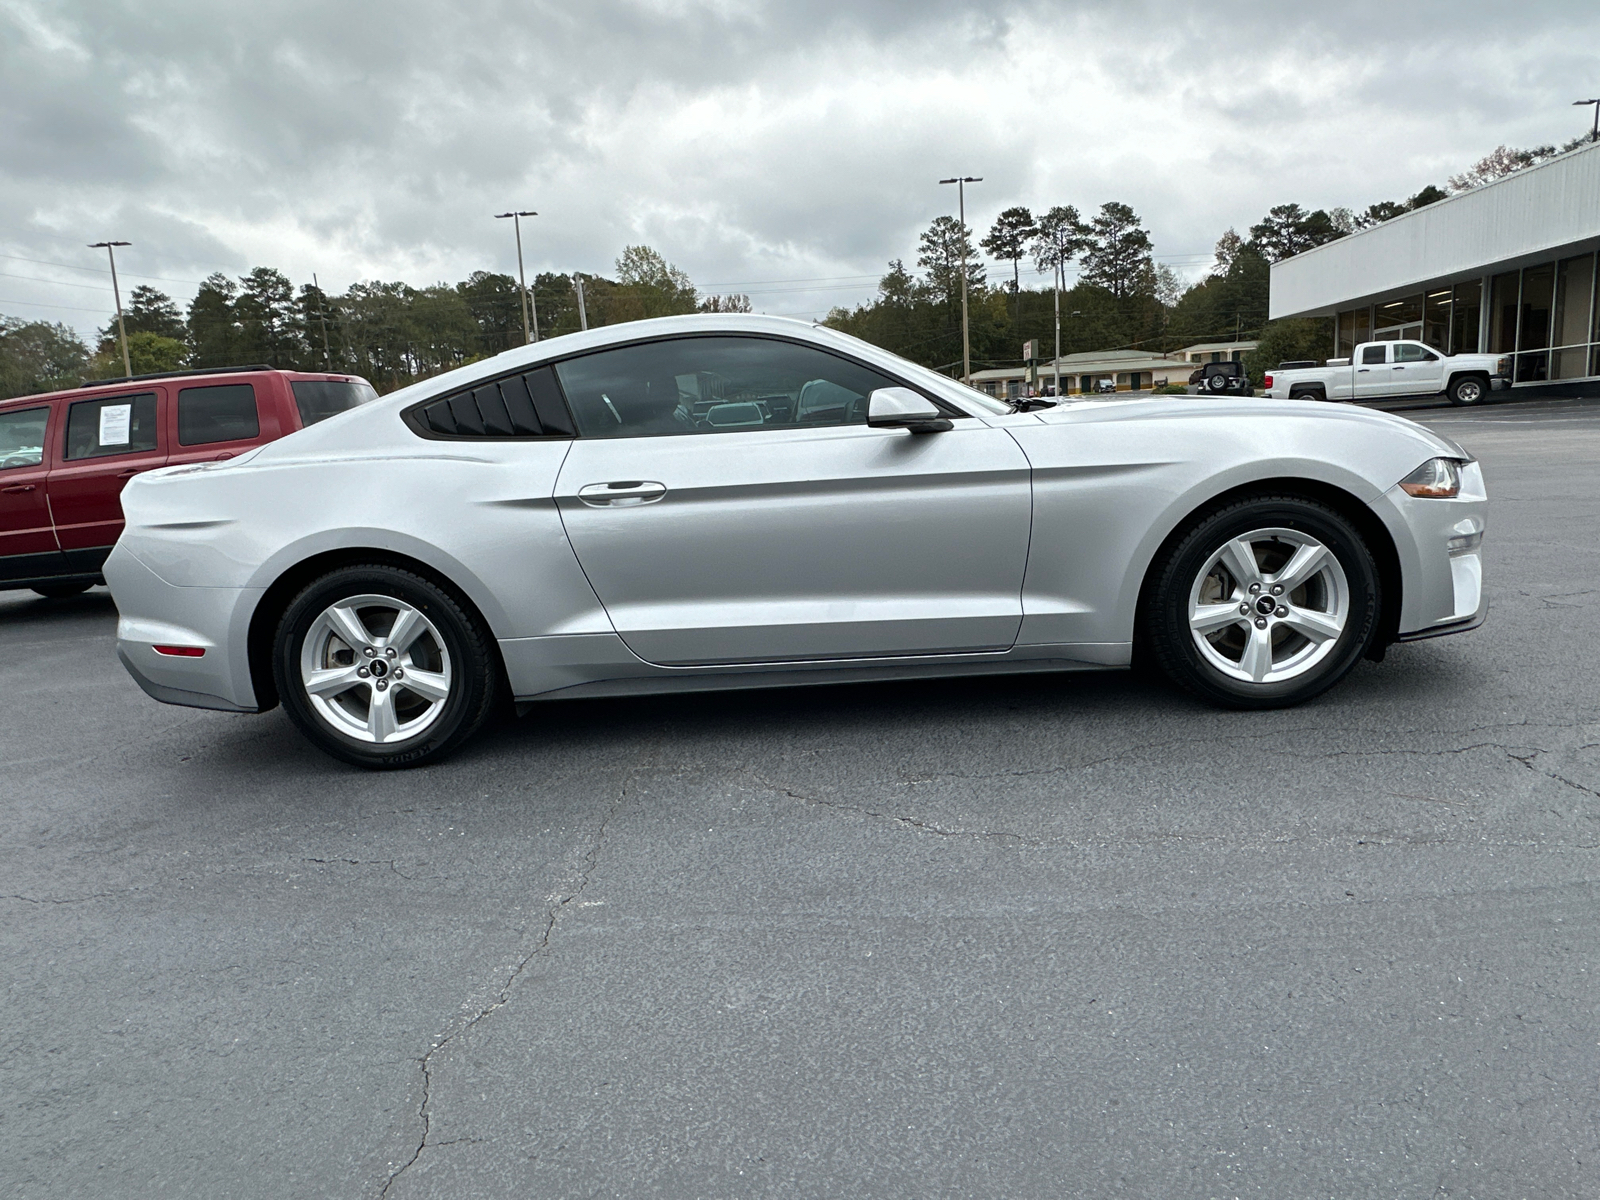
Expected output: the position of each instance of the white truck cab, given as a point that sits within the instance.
(1394, 368)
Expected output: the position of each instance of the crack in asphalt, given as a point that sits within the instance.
(909, 822)
(1527, 760)
(361, 862)
(503, 996)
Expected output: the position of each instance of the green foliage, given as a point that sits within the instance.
(147, 352)
(657, 287)
(39, 356)
(1117, 252)
(1304, 339)
(1287, 229)
(944, 246)
(150, 310)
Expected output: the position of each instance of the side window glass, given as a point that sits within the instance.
(114, 425)
(714, 385)
(22, 437)
(225, 413)
(1372, 354)
(1413, 352)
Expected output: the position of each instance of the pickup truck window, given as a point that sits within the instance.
(1373, 354)
(1412, 352)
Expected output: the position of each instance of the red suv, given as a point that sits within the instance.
(65, 456)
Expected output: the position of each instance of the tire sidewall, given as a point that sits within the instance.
(1169, 614)
(464, 707)
(1456, 389)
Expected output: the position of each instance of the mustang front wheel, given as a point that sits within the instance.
(382, 668)
(1263, 604)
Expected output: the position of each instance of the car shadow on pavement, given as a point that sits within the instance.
(24, 608)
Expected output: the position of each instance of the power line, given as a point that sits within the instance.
(37, 304)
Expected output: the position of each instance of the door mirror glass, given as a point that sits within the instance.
(901, 408)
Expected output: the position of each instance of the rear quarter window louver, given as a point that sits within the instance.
(525, 405)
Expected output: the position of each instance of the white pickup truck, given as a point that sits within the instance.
(1384, 369)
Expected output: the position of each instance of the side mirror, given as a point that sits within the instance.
(901, 408)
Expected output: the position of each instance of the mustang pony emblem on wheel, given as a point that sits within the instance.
(729, 501)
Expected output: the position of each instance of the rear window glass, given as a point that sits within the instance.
(22, 437)
(224, 413)
(115, 425)
(319, 399)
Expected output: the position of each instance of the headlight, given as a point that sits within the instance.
(1436, 479)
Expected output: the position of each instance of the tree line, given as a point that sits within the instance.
(394, 334)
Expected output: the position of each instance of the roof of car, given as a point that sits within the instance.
(126, 381)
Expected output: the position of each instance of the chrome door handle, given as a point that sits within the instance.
(19, 487)
(622, 494)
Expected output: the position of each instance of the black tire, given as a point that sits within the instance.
(1310, 393)
(60, 591)
(1176, 575)
(471, 657)
(1469, 389)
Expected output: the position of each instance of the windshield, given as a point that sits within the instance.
(319, 399)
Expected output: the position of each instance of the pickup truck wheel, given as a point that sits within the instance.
(1308, 393)
(382, 668)
(1468, 389)
(1263, 604)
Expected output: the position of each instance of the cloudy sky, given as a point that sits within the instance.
(785, 150)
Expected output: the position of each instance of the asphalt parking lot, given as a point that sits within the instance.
(1047, 936)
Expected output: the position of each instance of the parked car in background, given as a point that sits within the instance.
(1380, 370)
(1222, 379)
(732, 501)
(66, 456)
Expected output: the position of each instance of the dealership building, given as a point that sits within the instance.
(1507, 268)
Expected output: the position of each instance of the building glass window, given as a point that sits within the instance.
(1466, 310)
(1436, 319)
(1353, 329)
(1503, 313)
(1398, 319)
(1572, 316)
(1533, 329)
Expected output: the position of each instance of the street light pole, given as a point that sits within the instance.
(122, 330)
(1058, 331)
(528, 334)
(961, 182)
(327, 354)
(1594, 136)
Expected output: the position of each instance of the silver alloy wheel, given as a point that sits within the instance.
(1268, 606)
(1469, 391)
(375, 669)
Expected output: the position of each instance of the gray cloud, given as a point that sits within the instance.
(748, 141)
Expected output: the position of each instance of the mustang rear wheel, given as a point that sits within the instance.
(382, 668)
(1264, 603)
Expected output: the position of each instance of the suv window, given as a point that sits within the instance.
(319, 399)
(1413, 352)
(1373, 354)
(22, 437)
(222, 413)
(714, 385)
(114, 425)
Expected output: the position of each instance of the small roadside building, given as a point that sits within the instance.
(1507, 268)
(1210, 352)
(1081, 374)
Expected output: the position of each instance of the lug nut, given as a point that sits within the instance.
(389, 652)
(1277, 589)
(1261, 623)
(1254, 588)
(1244, 609)
(363, 672)
(368, 651)
(1282, 612)
(383, 684)
(399, 674)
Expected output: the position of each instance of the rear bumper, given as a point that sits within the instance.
(153, 612)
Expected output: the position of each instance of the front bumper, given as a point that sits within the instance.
(1498, 383)
(153, 612)
(1440, 548)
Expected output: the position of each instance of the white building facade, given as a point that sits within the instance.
(1508, 268)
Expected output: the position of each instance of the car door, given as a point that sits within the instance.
(729, 504)
(28, 548)
(1372, 371)
(106, 442)
(1417, 370)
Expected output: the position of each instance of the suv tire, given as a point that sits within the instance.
(1216, 626)
(60, 591)
(382, 668)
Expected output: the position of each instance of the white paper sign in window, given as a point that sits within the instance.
(114, 422)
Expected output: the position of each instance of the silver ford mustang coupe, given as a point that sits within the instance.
(733, 501)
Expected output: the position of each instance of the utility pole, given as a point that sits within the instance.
(327, 355)
(583, 313)
(529, 334)
(961, 182)
(122, 331)
(1594, 136)
(1058, 331)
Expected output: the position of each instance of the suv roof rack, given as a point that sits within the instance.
(174, 374)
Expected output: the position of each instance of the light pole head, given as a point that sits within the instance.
(964, 179)
(529, 213)
(107, 245)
